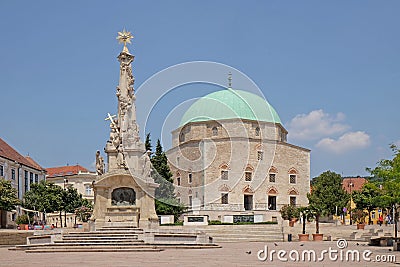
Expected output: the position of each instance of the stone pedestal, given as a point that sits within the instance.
(107, 212)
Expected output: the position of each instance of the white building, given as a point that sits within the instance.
(22, 172)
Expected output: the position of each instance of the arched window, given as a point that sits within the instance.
(248, 173)
(292, 175)
(257, 131)
(272, 174)
(214, 131)
(224, 172)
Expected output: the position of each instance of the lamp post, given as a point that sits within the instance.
(65, 212)
(351, 200)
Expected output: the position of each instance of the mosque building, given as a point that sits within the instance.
(230, 159)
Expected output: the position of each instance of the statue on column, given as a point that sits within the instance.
(99, 163)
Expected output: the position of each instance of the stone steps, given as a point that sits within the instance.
(100, 241)
(110, 237)
(243, 233)
(95, 249)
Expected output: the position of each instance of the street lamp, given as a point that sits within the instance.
(351, 199)
(65, 212)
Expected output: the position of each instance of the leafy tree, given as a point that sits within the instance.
(387, 172)
(48, 197)
(327, 193)
(289, 212)
(83, 213)
(71, 201)
(43, 197)
(369, 198)
(8, 196)
(165, 201)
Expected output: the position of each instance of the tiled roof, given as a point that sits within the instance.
(65, 171)
(356, 182)
(6, 151)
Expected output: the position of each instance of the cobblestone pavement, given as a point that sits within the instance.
(231, 254)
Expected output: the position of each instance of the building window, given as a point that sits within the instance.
(2, 170)
(260, 155)
(190, 177)
(30, 178)
(247, 176)
(13, 174)
(272, 177)
(214, 131)
(36, 178)
(224, 175)
(293, 201)
(271, 202)
(258, 131)
(178, 181)
(292, 178)
(190, 201)
(88, 190)
(224, 198)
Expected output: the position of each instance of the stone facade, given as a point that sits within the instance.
(238, 166)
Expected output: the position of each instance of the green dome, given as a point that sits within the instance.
(230, 104)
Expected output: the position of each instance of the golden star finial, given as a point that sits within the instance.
(124, 37)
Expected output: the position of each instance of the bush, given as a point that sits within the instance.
(23, 219)
(289, 212)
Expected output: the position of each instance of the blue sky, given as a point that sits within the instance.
(331, 69)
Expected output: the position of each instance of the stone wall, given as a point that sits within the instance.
(14, 237)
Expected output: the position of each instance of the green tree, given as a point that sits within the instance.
(326, 194)
(165, 201)
(43, 197)
(162, 174)
(71, 201)
(387, 172)
(48, 197)
(8, 196)
(369, 198)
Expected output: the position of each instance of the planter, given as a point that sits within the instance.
(291, 223)
(360, 226)
(318, 237)
(304, 237)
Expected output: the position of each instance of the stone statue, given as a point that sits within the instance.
(99, 163)
(120, 158)
(146, 169)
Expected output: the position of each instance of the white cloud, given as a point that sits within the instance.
(315, 125)
(348, 141)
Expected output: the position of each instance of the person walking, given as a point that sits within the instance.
(380, 220)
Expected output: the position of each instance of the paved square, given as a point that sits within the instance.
(231, 254)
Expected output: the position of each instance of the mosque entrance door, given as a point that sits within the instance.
(248, 202)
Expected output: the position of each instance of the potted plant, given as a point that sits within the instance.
(306, 215)
(22, 221)
(358, 216)
(291, 213)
